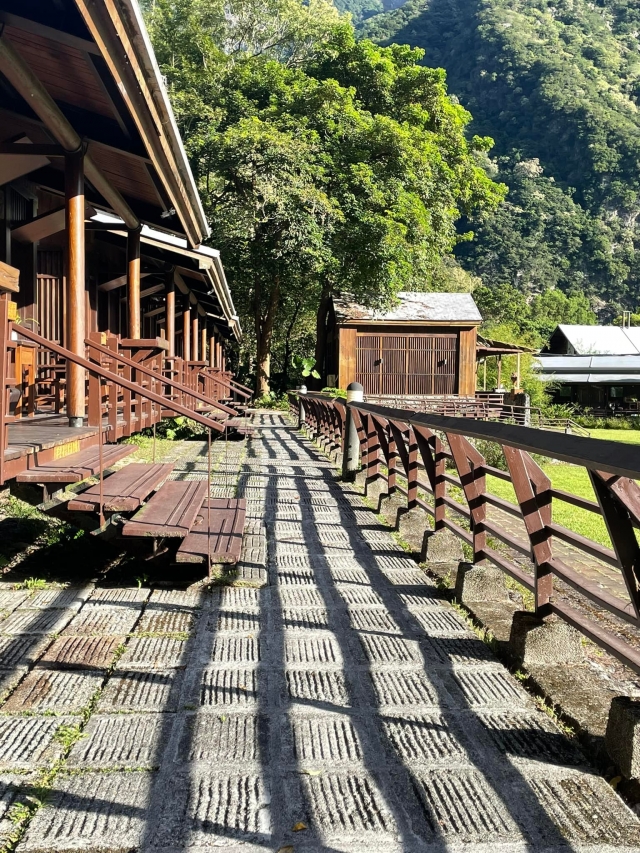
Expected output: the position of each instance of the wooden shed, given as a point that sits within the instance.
(425, 345)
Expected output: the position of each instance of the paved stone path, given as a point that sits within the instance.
(332, 703)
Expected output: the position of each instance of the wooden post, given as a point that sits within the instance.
(171, 315)
(133, 281)
(499, 371)
(518, 371)
(212, 351)
(74, 216)
(203, 343)
(194, 335)
(186, 333)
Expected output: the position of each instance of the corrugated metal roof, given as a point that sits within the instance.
(583, 369)
(420, 307)
(602, 340)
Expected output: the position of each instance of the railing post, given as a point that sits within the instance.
(351, 439)
(469, 462)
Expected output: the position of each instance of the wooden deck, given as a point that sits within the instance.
(42, 432)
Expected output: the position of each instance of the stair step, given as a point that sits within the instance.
(125, 490)
(172, 511)
(223, 541)
(77, 466)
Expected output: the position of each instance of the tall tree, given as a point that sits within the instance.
(327, 165)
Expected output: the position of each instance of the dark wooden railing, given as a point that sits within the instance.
(421, 455)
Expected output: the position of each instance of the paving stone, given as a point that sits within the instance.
(120, 595)
(34, 622)
(487, 687)
(92, 813)
(242, 598)
(372, 619)
(322, 739)
(460, 806)
(9, 678)
(352, 595)
(585, 809)
(405, 688)
(14, 789)
(408, 577)
(119, 741)
(301, 597)
(438, 621)
(346, 805)
(256, 575)
(98, 619)
(21, 649)
(329, 687)
(54, 691)
(59, 599)
(422, 739)
(218, 687)
(236, 620)
(178, 598)
(530, 736)
(313, 649)
(351, 575)
(393, 651)
(234, 650)
(458, 651)
(161, 620)
(419, 598)
(10, 599)
(29, 742)
(155, 653)
(82, 652)
(304, 619)
(296, 577)
(219, 739)
(210, 809)
(391, 562)
(142, 691)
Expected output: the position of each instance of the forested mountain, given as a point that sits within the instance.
(556, 84)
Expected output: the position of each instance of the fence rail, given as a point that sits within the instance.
(434, 452)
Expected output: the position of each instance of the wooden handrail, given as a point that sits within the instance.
(170, 382)
(91, 367)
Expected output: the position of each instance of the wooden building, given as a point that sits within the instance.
(424, 346)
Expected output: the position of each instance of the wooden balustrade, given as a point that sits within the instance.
(432, 453)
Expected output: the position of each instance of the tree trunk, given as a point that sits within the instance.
(321, 341)
(287, 348)
(264, 335)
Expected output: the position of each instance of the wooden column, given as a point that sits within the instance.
(74, 216)
(171, 315)
(203, 343)
(194, 335)
(186, 333)
(212, 351)
(133, 281)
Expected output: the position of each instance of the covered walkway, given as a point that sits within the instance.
(330, 702)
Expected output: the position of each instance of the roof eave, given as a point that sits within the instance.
(119, 31)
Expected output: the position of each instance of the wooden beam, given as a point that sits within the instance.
(120, 281)
(155, 311)
(133, 282)
(171, 315)
(31, 149)
(9, 278)
(74, 205)
(49, 33)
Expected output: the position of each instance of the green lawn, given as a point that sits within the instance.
(630, 436)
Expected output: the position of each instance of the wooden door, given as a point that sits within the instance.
(407, 365)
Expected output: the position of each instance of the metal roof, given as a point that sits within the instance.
(584, 369)
(413, 307)
(602, 340)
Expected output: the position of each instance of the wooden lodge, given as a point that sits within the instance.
(113, 313)
(424, 346)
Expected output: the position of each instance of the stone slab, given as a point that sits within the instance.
(156, 691)
(215, 810)
(119, 741)
(390, 651)
(92, 813)
(218, 688)
(219, 739)
(82, 652)
(372, 619)
(317, 649)
(423, 739)
(490, 687)
(9, 678)
(54, 691)
(155, 653)
(21, 649)
(236, 620)
(436, 620)
(328, 688)
(305, 619)
(59, 599)
(302, 597)
(13, 790)
(530, 736)
(12, 598)
(353, 595)
(312, 739)
(98, 619)
(158, 619)
(183, 598)
(35, 622)
(120, 595)
(407, 688)
(29, 742)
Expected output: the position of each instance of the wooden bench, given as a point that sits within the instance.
(222, 541)
(125, 490)
(171, 512)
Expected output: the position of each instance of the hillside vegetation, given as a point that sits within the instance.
(557, 86)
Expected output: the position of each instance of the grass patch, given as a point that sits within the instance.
(629, 436)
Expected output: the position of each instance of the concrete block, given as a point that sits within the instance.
(480, 583)
(623, 735)
(82, 652)
(412, 526)
(375, 488)
(27, 742)
(391, 504)
(442, 546)
(546, 642)
(158, 619)
(54, 691)
(119, 741)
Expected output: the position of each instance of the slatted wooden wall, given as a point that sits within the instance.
(402, 364)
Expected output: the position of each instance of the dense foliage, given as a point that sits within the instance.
(556, 83)
(325, 164)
